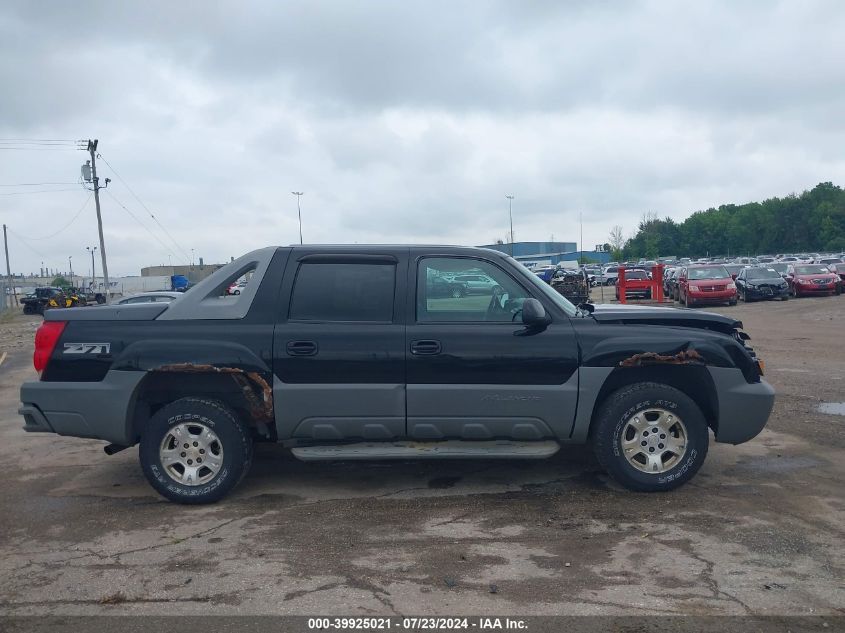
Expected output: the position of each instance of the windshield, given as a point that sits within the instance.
(711, 272)
(781, 268)
(635, 274)
(762, 273)
(811, 270)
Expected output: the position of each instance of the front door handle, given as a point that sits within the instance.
(301, 348)
(425, 348)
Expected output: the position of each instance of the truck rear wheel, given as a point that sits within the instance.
(195, 450)
(650, 437)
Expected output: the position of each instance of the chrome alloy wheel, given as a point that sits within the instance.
(654, 441)
(191, 453)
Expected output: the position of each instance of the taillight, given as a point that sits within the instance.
(45, 341)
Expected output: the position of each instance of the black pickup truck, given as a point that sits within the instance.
(354, 352)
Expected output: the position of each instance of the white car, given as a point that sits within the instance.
(476, 284)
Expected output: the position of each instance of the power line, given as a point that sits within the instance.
(23, 241)
(146, 208)
(26, 193)
(59, 148)
(134, 217)
(38, 140)
(39, 184)
(66, 226)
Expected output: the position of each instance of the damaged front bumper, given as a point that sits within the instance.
(744, 407)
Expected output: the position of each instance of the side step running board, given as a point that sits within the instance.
(450, 449)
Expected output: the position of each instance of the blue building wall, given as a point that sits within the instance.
(554, 252)
(533, 249)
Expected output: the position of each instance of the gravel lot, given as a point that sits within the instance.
(760, 530)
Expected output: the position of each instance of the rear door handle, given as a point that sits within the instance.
(301, 348)
(426, 348)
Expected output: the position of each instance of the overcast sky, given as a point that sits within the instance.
(405, 121)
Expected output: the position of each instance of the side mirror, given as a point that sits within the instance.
(534, 314)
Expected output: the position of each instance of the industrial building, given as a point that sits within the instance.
(545, 253)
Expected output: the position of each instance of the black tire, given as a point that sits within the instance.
(785, 298)
(611, 420)
(234, 437)
(732, 302)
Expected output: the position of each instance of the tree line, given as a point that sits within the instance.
(812, 221)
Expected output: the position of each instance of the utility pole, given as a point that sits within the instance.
(510, 215)
(298, 194)
(70, 268)
(8, 273)
(581, 242)
(92, 177)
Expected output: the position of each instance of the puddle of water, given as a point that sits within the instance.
(832, 408)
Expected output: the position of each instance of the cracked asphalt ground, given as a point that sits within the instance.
(759, 530)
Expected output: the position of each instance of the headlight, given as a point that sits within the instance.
(731, 285)
(693, 288)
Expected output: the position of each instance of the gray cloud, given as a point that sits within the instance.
(410, 121)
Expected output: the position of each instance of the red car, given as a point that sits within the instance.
(706, 284)
(811, 279)
(637, 285)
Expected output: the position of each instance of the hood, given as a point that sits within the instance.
(655, 315)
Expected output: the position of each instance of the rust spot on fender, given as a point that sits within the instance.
(256, 390)
(684, 357)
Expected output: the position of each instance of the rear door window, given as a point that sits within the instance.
(343, 292)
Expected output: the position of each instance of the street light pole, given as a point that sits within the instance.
(70, 267)
(298, 194)
(510, 215)
(93, 268)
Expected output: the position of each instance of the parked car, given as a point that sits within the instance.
(476, 284)
(609, 275)
(545, 272)
(838, 270)
(236, 288)
(637, 285)
(158, 296)
(354, 360)
(747, 261)
(668, 275)
(780, 268)
(827, 261)
(706, 284)
(761, 282)
(811, 279)
(671, 285)
(439, 287)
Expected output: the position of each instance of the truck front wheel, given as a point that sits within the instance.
(195, 450)
(650, 437)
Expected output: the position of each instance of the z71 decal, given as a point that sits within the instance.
(87, 348)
